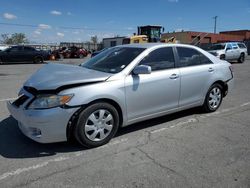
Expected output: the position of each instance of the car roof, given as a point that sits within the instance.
(150, 45)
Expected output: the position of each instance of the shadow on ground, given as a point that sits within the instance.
(13, 144)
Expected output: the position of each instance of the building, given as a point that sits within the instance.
(110, 42)
(193, 37)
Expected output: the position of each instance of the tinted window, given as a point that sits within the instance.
(113, 60)
(241, 45)
(235, 46)
(16, 49)
(160, 59)
(191, 57)
(229, 46)
(28, 49)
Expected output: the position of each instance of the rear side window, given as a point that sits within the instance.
(160, 59)
(191, 57)
(241, 45)
(26, 48)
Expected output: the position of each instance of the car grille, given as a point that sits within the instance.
(21, 100)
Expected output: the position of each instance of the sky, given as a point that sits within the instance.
(53, 21)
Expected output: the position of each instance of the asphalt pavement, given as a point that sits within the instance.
(185, 149)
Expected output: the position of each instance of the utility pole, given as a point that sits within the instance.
(215, 23)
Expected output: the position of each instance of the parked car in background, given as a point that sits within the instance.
(19, 54)
(120, 86)
(97, 52)
(73, 52)
(230, 51)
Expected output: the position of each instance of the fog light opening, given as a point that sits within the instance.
(35, 132)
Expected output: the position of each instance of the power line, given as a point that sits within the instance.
(64, 27)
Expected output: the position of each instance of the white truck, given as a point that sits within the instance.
(230, 51)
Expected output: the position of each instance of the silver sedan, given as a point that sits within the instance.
(118, 87)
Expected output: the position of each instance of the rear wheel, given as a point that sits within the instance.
(38, 59)
(213, 98)
(241, 58)
(97, 125)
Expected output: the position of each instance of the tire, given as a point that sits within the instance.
(222, 56)
(97, 125)
(241, 58)
(81, 56)
(38, 59)
(1, 61)
(213, 98)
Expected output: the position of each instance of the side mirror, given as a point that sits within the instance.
(228, 49)
(142, 69)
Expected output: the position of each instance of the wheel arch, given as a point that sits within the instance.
(223, 85)
(74, 118)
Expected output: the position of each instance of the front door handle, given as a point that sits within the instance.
(174, 76)
(210, 69)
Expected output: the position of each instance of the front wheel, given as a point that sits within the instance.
(213, 98)
(97, 125)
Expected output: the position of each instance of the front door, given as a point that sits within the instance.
(150, 94)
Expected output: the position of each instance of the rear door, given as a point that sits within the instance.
(150, 94)
(28, 53)
(196, 71)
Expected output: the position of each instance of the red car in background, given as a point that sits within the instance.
(71, 52)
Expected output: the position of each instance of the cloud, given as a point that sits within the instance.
(130, 28)
(37, 32)
(173, 1)
(76, 32)
(9, 16)
(55, 12)
(60, 34)
(44, 26)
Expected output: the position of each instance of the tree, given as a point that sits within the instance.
(16, 38)
(94, 39)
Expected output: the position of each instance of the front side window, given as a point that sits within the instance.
(229, 47)
(16, 49)
(113, 60)
(191, 57)
(160, 59)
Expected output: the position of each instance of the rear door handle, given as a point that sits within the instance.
(210, 70)
(174, 76)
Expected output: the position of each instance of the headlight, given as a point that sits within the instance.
(49, 101)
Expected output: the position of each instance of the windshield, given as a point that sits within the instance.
(218, 47)
(113, 60)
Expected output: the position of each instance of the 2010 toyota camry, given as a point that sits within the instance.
(118, 87)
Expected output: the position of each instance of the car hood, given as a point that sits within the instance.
(216, 51)
(52, 76)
